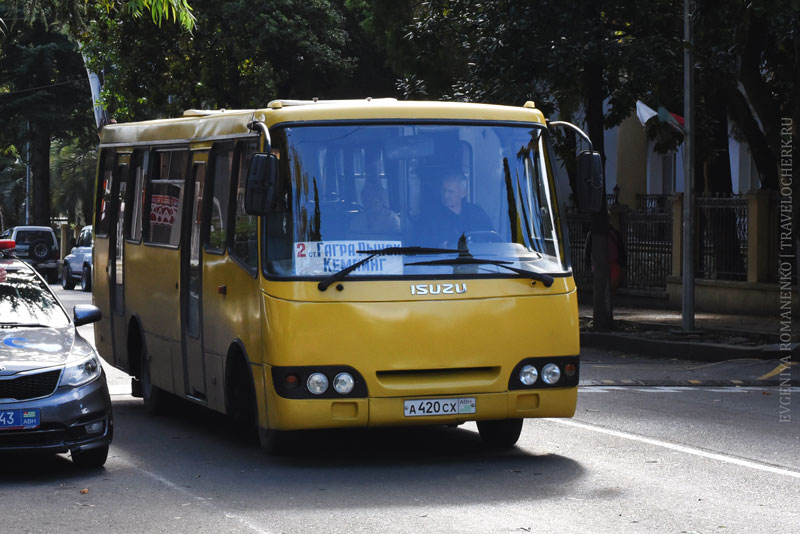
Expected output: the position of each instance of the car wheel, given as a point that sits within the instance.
(39, 250)
(91, 459)
(86, 278)
(66, 278)
(154, 398)
(501, 434)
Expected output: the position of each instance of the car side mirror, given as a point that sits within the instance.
(86, 313)
(262, 177)
(589, 183)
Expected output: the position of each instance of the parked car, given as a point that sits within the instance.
(53, 392)
(38, 246)
(77, 265)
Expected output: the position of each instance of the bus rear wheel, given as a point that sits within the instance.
(153, 397)
(501, 434)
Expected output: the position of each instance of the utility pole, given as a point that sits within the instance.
(687, 318)
(28, 177)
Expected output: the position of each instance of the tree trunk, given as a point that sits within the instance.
(758, 97)
(603, 315)
(40, 173)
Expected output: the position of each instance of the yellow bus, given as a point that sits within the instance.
(327, 264)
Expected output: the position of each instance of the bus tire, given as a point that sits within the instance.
(273, 441)
(502, 434)
(153, 397)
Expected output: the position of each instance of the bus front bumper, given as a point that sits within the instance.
(301, 414)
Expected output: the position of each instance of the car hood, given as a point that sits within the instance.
(29, 348)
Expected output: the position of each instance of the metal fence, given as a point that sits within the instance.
(646, 235)
(721, 225)
(647, 231)
(578, 227)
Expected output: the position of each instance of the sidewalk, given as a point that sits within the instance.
(717, 337)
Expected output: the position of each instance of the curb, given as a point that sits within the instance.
(684, 350)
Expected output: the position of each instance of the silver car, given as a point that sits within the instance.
(77, 265)
(53, 392)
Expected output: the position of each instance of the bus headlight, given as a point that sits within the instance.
(343, 383)
(528, 375)
(551, 373)
(317, 383)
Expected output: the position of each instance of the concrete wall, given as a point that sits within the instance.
(725, 296)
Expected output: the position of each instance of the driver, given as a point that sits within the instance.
(456, 216)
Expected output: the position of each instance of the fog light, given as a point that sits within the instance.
(317, 383)
(94, 428)
(551, 373)
(343, 383)
(528, 375)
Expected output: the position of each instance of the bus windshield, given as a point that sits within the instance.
(347, 189)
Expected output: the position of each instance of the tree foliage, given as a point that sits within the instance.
(241, 54)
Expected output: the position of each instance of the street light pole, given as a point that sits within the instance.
(687, 319)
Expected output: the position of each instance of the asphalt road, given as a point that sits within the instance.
(634, 459)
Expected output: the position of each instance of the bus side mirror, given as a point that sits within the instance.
(262, 177)
(589, 182)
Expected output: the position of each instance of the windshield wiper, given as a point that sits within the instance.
(465, 258)
(547, 280)
(26, 325)
(388, 251)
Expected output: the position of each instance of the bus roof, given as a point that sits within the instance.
(214, 124)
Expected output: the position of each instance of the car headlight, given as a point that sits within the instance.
(81, 372)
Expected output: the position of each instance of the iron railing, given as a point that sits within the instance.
(721, 225)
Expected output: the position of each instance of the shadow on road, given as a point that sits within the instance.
(204, 451)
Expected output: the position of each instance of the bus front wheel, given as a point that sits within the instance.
(153, 397)
(501, 434)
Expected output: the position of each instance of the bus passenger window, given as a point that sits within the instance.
(133, 219)
(166, 197)
(245, 238)
(222, 160)
(104, 193)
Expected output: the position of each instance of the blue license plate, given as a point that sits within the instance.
(19, 419)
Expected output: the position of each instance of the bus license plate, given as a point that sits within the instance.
(425, 407)
(19, 419)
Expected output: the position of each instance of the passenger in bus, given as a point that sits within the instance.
(375, 217)
(455, 216)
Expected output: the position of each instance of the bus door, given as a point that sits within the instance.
(102, 250)
(116, 253)
(191, 282)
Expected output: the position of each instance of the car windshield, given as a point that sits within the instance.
(25, 300)
(347, 189)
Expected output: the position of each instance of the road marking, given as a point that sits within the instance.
(680, 389)
(680, 448)
(778, 370)
(171, 485)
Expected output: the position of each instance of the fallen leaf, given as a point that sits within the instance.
(84, 491)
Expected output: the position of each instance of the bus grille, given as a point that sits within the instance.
(30, 386)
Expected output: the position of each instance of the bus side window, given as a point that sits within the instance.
(166, 185)
(245, 228)
(104, 193)
(220, 184)
(136, 192)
